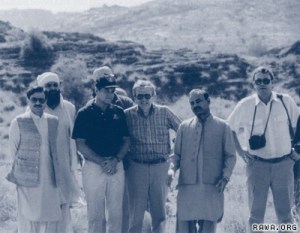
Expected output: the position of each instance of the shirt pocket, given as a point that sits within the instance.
(258, 126)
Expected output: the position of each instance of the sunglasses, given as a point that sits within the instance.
(110, 89)
(49, 85)
(35, 100)
(141, 96)
(264, 81)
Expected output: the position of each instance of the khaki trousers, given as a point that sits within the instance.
(147, 186)
(279, 178)
(104, 197)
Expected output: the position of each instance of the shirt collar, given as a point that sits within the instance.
(273, 97)
(151, 111)
(34, 116)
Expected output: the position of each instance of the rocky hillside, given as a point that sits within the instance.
(230, 26)
(175, 72)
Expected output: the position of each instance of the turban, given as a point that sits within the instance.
(46, 78)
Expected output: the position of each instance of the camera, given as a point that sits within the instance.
(257, 142)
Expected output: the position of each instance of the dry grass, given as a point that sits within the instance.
(236, 209)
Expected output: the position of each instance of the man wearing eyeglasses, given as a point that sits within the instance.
(266, 119)
(65, 111)
(35, 170)
(149, 126)
(102, 138)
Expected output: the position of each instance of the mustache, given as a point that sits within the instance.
(37, 105)
(197, 108)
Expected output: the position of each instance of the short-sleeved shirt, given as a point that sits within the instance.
(103, 130)
(278, 140)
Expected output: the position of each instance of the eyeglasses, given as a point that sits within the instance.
(110, 89)
(141, 96)
(49, 85)
(264, 81)
(35, 100)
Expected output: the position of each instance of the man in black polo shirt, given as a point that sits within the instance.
(102, 138)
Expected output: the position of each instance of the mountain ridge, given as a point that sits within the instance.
(220, 26)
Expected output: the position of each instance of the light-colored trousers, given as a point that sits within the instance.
(104, 196)
(277, 176)
(147, 185)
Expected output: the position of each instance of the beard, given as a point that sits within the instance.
(53, 97)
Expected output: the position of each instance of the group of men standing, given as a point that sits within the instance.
(128, 160)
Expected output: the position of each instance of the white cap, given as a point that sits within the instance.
(46, 78)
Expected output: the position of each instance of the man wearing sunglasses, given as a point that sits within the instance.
(266, 119)
(149, 126)
(36, 170)
(102, 138)
(65, 111)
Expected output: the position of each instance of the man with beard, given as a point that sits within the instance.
(36, 170)
(267, 120)
(67, 154)
(205, 154)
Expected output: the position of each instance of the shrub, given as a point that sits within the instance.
(72, 72)
(37, 51)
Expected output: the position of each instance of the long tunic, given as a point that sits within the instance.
(205, 153)
(67, 157)
(41, 203)
(199, 201)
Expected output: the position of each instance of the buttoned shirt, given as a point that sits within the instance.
(103, 130)
(149, 136)
(278, 139)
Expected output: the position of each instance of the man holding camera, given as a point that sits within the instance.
(267, 119)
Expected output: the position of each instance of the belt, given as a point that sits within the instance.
(275, 160)
(155, 161)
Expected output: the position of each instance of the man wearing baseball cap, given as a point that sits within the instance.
(65, 111)
(120, 96)
(120, 99)
(102, 137)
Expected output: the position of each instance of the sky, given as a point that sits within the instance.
(64, 5)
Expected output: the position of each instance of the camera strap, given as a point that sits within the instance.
(266, 122)
(292, 135)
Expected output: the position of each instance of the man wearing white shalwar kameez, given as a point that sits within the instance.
(67, 153)
(35, 173)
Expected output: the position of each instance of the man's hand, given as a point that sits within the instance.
(247, 157)
(171, 175)
(294, 155)
(222, 184)
(109, 166)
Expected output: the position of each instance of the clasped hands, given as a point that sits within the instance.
(109, 166)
